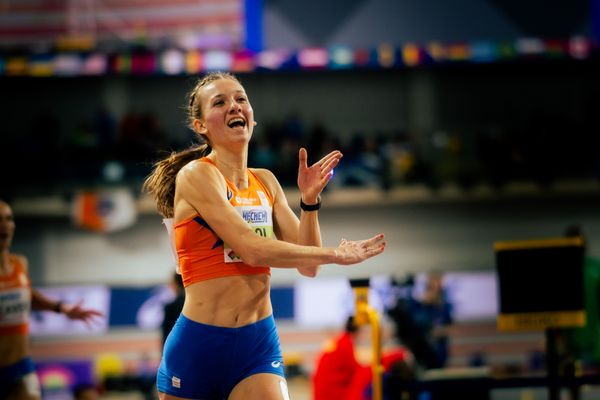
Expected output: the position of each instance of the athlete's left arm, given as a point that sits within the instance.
(311, 181)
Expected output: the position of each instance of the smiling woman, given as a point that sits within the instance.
(231, 224)
(17, 298)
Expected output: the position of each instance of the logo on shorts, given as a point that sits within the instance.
(276, 364)
(176, 382)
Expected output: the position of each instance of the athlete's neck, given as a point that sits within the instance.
(232, 166)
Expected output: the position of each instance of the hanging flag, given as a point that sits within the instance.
(106, 210)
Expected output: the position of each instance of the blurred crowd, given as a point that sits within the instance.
(104, 149)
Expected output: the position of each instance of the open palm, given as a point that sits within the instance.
(312, 180)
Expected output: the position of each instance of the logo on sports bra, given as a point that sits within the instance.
(244, 201)
(255, 216)
(229, 194)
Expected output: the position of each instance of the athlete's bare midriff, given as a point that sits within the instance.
(13, 348)
(229, 302)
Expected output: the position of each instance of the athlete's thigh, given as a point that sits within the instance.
(261, 387)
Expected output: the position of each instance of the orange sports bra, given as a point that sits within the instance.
(15, 300)
(203, 255)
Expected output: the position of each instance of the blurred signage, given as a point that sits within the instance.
(83, 25)
(540, 283)
(173, 60)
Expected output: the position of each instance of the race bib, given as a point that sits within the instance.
(14, 307)
(260, 219)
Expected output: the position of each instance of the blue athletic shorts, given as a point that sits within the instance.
(206, 362)
(12, 374)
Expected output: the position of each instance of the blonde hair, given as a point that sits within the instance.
(160, 183)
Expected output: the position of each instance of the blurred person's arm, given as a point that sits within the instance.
(41, 302)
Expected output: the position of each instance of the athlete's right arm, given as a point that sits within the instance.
(201, 188)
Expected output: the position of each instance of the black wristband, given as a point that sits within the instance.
(310, 207)
(58, 307)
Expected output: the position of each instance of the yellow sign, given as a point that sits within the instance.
(538, 243)
(541, 320)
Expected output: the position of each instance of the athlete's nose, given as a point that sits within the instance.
(235, 107)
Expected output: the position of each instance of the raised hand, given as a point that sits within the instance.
(354, 251)
(78, 312)
(312, 180)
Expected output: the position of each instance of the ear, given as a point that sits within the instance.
(255, 123)
(200, 127)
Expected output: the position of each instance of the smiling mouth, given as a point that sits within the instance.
(236, 122)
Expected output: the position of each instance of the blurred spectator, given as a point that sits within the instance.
(398, 367)
(293, 127)
(398, 159)
(263, 155)
(287, 165)
(320, 141)
(422, 323)
(105, 129)
(363, 164)
(340, 376)
(129, 135)
(433, 313)
(337, 366)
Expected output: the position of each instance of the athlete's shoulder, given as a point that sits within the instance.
(264, 175)
(267, 178)
(21, 260)
(198, 169)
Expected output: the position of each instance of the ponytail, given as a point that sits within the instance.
(161, 182)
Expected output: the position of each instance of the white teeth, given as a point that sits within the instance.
(235, 120)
